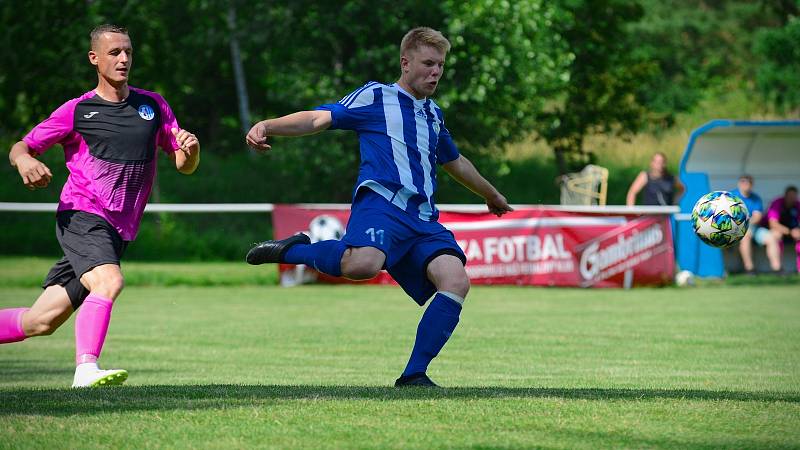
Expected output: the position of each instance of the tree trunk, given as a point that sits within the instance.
(238, 74)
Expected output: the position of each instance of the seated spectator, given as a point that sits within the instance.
(783, 219)
(658, 185)
(761, 235)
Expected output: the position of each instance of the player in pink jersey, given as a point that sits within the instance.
(110, 137)
(783, 220)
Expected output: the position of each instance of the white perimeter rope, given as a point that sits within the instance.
(269, 207)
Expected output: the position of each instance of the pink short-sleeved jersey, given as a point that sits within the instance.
(110, 150)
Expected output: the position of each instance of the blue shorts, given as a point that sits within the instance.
(409, 243)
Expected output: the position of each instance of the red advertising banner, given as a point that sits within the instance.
(532, 246)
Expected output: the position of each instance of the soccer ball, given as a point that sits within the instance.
(684, 278)
(720, 219)
(325, 227)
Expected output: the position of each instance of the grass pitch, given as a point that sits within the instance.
(310, 367)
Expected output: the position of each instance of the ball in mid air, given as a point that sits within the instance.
(720, 219)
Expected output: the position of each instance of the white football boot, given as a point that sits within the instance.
(89, 375)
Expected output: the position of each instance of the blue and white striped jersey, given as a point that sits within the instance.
(402, 139)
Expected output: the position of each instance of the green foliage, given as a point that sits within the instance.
(508, 60)
(698, 46)
(562, 71)
(778, 74)
(694, 46)
(639, 64)
(603, 77)
(592, 64)
(43, 59)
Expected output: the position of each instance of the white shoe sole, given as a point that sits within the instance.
(112, 378)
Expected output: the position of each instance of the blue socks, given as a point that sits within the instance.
(435, 328)
(324, 256)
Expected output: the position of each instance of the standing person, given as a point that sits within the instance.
(659, 186)
(761, 235)
(783, 220)
(110, 137)
(393, 221)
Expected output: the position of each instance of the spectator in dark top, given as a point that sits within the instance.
(783, 219)
(761, 235)
(659, 186)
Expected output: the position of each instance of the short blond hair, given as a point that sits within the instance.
(420, 36)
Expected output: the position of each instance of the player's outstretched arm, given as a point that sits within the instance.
(187, 158)
(34, 173)
(465, 173)
(296, 124)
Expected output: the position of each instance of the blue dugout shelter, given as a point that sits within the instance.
(716, 155)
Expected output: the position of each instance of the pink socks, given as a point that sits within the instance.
(11, 325)
(91, 326)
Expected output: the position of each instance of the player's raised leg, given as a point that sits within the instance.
(49, 311)
(324, 256)
(360, 255)
(332, 257)
(105, 283)
(439, 320)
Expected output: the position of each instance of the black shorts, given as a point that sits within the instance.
(88, 241)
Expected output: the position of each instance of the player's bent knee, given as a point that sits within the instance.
(111, 286)
(362, 265)
(360, 270)
(108, 283)
(114, 286)
(459, 286)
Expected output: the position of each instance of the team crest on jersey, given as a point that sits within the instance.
(146, 112)
(436, 126)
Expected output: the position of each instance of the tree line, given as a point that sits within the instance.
(559, 70)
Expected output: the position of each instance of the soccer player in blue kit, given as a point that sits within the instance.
(393, 221)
